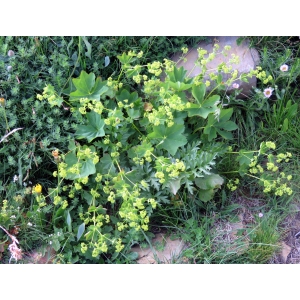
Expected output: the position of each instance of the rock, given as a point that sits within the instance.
(285, 251)
(249, 59)
(171, 250)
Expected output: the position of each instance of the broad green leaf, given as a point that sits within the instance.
(220, 124)
(132, 255)
(55, 244)
(228, 125)
(106, 165)
(208, 182)
(127, 98)
(198, 92)
(80, 231)
(244, 157)
(140, 150)
(124, 58)
(179, 86)
(206, 195)
(93, 129)
(87, 87)
(225, 114)
(171, 138)
(87, 167)
(225, 134)
(178, 74)
(202, 107)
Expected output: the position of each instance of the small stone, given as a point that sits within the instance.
(285, 251)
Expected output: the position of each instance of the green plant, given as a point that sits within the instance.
(132, 153)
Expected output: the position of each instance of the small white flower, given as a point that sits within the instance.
(15, 178)
(235, 85)
(58, 234)
(284, 68)
(268, 92)
(24, 183)
(29, 224)
(50, 242)
(260, 215)
(13, 217)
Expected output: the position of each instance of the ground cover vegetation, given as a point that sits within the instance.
(105, 141)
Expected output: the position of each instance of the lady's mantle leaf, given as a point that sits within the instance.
(171, 138)
(93, 129)
(87, 87)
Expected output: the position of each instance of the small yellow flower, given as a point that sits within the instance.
(37, 188)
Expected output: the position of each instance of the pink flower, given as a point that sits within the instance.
(268, 92)
(284, 68)
(235, 85)
(260, 215)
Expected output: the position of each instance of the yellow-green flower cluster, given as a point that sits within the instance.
(174, 169)
(160, 176)
(50, 95)
(99, 247)
(233, 184)
(157, 116)
(94, 105)
(155, 68)
(277, 187)
(271, 145)
(283, 156)
(168, 65)
(261, 75)
(141, 160)
(150, 86)
(184, 50)
(272, 167)
(4, 208)
(134, 214)
(119, 246)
